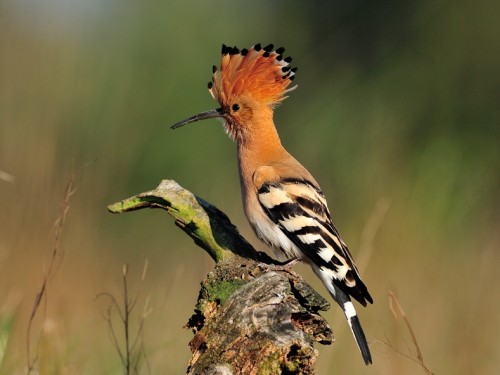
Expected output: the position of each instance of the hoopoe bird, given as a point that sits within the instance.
(282, 201)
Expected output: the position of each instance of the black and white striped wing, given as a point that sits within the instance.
(300, 211)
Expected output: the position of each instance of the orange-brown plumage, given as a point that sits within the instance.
(256, 74)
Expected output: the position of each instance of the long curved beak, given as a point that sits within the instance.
(213, 113)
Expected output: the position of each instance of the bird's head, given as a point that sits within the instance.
(248, 85)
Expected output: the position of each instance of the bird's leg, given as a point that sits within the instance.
(289, 263)
(286, 266)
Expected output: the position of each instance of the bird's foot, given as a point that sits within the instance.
(286, 266)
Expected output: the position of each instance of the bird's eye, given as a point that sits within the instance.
(235, 107)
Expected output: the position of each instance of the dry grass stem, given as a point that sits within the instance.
(55, 261)
(6, 177)
(369, 232)
(132, 353)
(397, 311)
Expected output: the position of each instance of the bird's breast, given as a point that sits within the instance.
(266, 230)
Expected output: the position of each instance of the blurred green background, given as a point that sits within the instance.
(397, 115)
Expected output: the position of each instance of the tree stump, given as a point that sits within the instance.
(253, 316)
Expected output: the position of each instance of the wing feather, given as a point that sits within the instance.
(301, 212)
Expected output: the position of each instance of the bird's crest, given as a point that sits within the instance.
(262, 74)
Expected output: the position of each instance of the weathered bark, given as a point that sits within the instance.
(252, 316)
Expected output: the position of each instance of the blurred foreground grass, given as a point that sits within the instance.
(397, 107)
